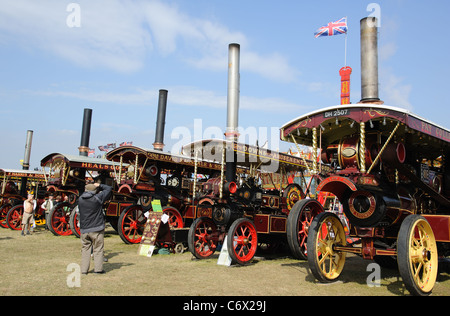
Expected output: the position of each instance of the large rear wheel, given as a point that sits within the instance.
(175, 218)
(417, 255)
(4, 209)
(14, 217)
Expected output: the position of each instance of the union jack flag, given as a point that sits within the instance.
(332, 28)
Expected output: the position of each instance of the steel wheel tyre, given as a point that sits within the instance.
(131, 224)
(242, 241)
(417, 255)
(175, 218)
(75, 222)
(325, 233)
(14, 217)
(60, 219)
(4, 209)
(298, 224)
(203, 237)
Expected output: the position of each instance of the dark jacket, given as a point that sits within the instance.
(90, 206)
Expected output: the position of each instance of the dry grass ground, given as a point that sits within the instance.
(37, 265)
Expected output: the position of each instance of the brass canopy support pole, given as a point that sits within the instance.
(136, 169)
(314, 153)
(222, 169)
(384, 147)
(362, 147)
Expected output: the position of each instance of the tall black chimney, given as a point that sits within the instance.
(160, 120)
(85, 133)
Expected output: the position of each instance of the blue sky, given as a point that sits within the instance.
(125, 51)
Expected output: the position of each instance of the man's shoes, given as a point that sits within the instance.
(100, 272)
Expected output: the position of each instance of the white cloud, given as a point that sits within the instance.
(387, 50)
(179, 95)
(119, 35)
(393, 91)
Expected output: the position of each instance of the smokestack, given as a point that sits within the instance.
(369, 60)
(231, 134)
(26, 158)
(85, 133)
(160, 120)
(26, 163)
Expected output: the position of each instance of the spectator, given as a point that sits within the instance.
(47, 206)
(28, 207)
(92, 225)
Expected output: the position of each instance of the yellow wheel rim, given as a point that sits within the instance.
(423, 258)
(331, 233)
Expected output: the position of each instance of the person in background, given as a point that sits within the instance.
(28, 207)
(47, 206)
(92, 225)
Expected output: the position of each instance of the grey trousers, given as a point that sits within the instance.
(92, 242)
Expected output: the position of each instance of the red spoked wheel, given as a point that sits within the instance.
(14, 217)
(175, 218)
(298, 223)
(60, 219)
(4, 209)
(203, 237)
(131, 224)
(242, 241)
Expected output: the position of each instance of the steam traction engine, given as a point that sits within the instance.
(14, 186)
(68, 174)
(391, 176)
(153, 174)
(263, 207)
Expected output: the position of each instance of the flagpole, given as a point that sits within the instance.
(345, 57)
(345, 53)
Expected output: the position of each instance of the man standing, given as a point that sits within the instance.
(28, 208)
(48, 206)
(92, 225)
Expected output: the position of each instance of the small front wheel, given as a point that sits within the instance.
(242, 241)
(131, 224)
(326, 232)
(203, 237)
(59, 218)
(417, 255)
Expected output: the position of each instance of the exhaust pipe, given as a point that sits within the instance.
(369, 61)
(231, 134)
(26, 163)
(83, 150)
(26, 158)
(160, 121)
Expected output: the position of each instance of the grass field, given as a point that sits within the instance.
(37, 265)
